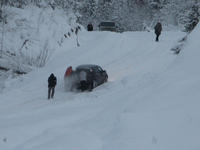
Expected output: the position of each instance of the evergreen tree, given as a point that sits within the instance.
(88, 12)
(105, 9)
(128, 14)
(193, 18)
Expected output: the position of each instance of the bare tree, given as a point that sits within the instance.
(76, 32)
(2, 17)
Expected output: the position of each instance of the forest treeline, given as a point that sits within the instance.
(129, 15)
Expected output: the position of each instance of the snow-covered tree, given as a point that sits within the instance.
(191, 18)
(88, 12)
(128, 14)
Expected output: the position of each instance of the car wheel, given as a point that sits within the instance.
(106, 79)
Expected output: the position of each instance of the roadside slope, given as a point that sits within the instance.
(138, 107)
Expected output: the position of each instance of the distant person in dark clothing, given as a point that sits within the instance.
(84, 85)
(158, 29)
(90, 27)
(86, 80)
(52, 81)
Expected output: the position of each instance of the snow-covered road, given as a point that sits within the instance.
(136, 109)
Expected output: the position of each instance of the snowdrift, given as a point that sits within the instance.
(31, 35)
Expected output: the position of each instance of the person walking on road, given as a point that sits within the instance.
(158, 29)
(52, 81)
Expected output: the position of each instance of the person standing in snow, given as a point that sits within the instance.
(90, 27)
(69, 78)
(68, 72)
(52, 81)
(158, 29)
(90, 79)
(83, 81)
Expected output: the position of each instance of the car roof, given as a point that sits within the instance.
(87, 66)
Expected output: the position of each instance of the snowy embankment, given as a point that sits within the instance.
(150, 101)
(30, 36)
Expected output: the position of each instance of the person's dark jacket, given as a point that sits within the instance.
(52, 81)
(90, 27)
(158, 28)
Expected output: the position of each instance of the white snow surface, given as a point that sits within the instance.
(32, 34)
(150, 102)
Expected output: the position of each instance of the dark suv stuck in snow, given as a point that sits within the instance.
(87, 77)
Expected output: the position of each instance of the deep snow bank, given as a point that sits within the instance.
(173, 106)
(185, 68)
(32, 34)
(150, 101)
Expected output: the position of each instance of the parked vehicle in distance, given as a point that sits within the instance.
(87, 77)
(107, 26)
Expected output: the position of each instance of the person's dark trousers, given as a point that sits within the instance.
(157, 37)
(51, 92)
